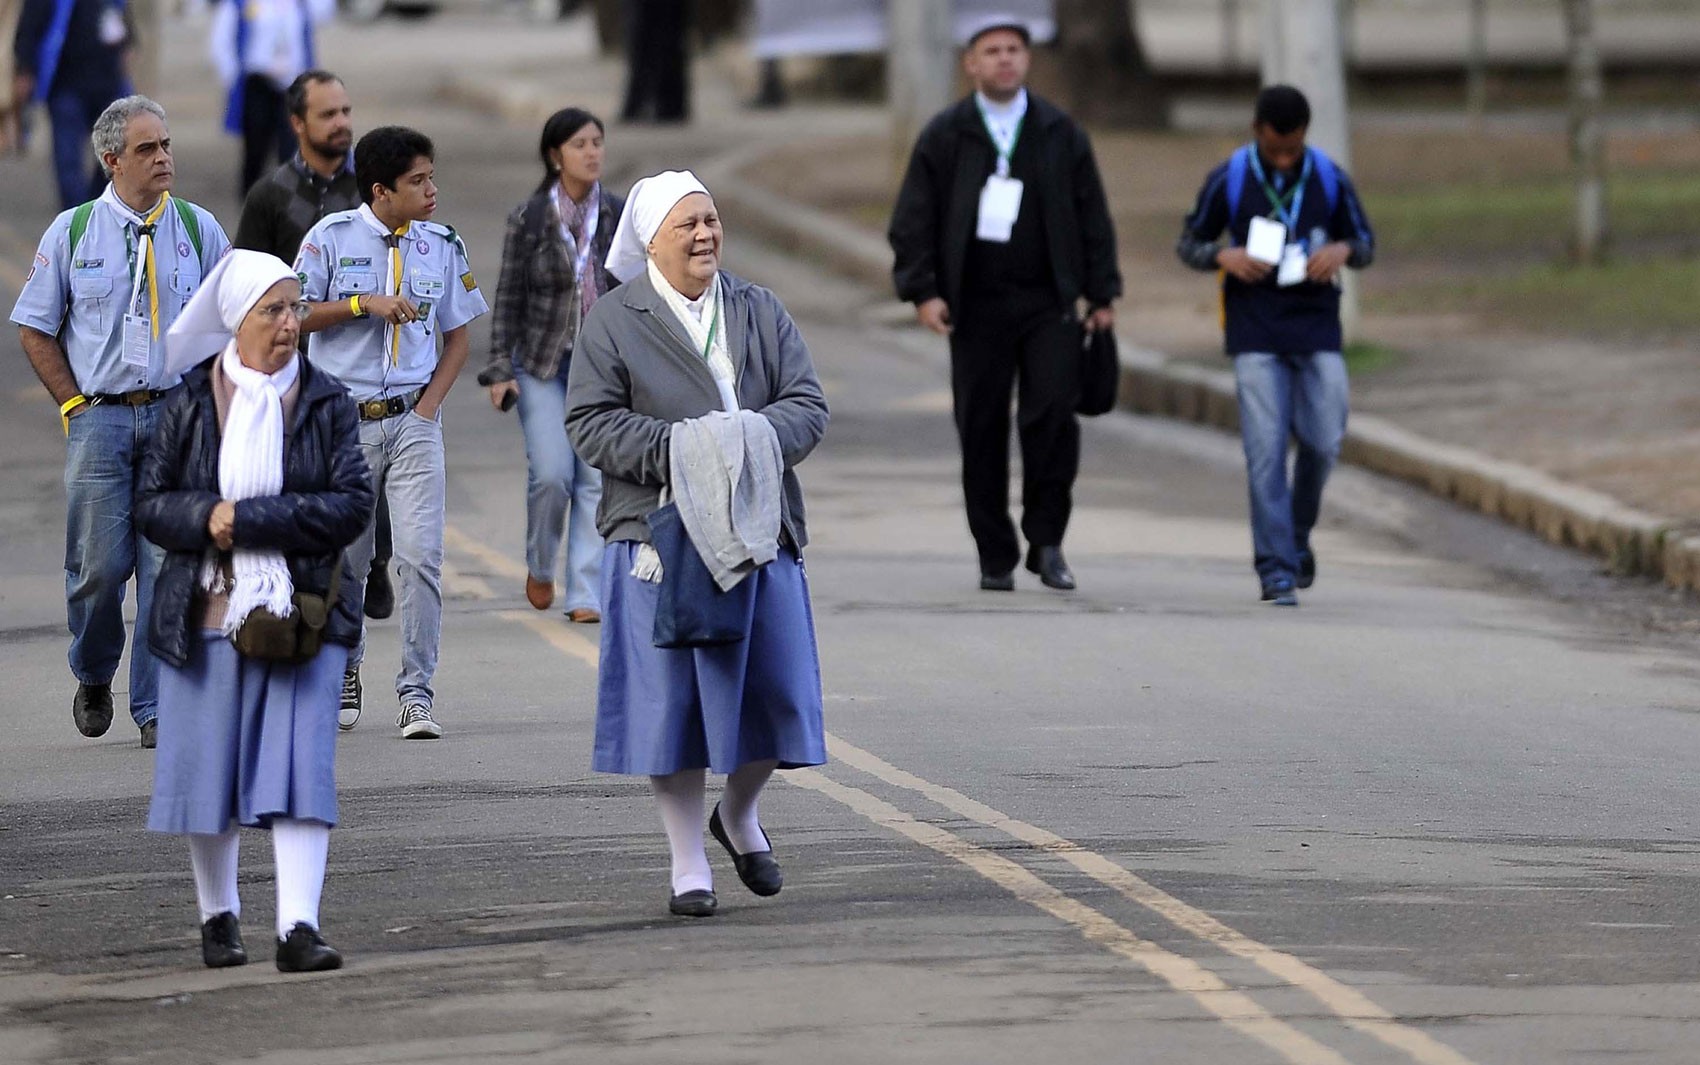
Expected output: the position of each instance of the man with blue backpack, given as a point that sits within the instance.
(1292, 220)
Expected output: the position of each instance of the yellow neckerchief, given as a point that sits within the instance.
(145, 253)
(395, 287)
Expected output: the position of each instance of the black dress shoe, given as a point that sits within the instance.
(757, 869)
(221, 942)
(305, 951)
(1307, 569)
(997, 582)
(91, 709)
(1048, 563)
(380, 593)
(693, 904)
(150, 735)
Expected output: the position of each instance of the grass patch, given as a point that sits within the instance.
(1639, 297)
(1366, 357)
(1529, 215)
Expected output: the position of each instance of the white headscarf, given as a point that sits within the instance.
(647, 206)
(250, 452)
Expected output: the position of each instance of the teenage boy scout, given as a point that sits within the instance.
(108, 280)
(385, 284)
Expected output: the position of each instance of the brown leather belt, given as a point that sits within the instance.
(376, 410)
(141, 397)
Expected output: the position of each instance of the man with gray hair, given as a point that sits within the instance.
(109, 278)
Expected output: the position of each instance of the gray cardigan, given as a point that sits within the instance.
(633, 375)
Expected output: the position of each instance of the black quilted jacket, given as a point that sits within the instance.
(326, 502)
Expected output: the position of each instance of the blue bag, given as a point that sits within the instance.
(691, 610)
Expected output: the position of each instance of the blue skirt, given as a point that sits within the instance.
(245, 740)
(659, 711)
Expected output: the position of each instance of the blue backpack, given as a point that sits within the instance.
(1239, 165)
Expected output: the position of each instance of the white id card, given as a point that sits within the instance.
(1265, 240)
(1294, 262)
(138, 336)
(1000, 204)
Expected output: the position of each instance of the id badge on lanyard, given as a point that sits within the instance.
(1000, 199)
(138, 329)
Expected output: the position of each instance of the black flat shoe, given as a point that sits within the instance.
(305, 951)
(757, 869)
(380, 593)
(997, 582)
(221, 942)
(1048, 563)
(693, 904)
(91, 709)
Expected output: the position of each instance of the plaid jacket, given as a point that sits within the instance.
(538, 311)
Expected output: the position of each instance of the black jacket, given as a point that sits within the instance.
(326, 503)
(933, 221)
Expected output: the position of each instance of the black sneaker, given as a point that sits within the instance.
(91, 709)
(1307, 569)
(348, 715)
(380, 593)
(150, 735)
(1279, 590)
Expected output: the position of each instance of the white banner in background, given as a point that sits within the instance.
(848, 27)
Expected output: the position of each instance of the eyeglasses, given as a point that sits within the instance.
(275, 312)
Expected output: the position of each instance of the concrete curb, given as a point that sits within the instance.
(1632, 542)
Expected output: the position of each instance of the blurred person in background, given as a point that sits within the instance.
(71, 55)
(552, 273)
(259, 48)
(658, 71)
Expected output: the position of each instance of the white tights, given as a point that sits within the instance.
(680, 798)
(299, 848)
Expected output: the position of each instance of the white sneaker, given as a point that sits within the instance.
(416, 722)
(349, 713)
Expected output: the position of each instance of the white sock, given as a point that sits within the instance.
(679, 795)
(214, 860)
(300, 849)
(738, 806)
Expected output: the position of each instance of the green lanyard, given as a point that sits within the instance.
(1004, 154)
(713, 329)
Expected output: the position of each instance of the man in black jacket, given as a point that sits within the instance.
(1000, 230)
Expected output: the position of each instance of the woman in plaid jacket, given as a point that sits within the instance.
(552, 271)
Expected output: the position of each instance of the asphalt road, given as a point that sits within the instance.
(1441, 814)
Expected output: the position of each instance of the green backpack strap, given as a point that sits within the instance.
(185, 213)
(191, 222)
(80, 224)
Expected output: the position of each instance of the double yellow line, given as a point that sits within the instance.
(1234, 1008)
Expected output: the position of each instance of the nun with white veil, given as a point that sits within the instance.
(692, 387)
(253, 484)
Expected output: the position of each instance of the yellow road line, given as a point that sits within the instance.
(1353, 1007)
(1347, 1003)
(1234, 1008)
(499, 563)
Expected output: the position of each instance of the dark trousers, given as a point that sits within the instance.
(267, 139)
(73, 110)
(657, 71)
(1025, 343)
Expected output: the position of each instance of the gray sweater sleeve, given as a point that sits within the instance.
(798, 408)
(604, 429)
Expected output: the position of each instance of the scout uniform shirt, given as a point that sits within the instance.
(116, 283)
(351, 253)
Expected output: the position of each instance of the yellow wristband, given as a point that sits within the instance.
(354, 307)
(65, 409)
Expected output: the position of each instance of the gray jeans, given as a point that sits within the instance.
(405, 454)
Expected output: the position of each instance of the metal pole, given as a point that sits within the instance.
(1302, 48)
(920, 68)
(148, 17)
(1230, 35)
(1587, 132)
(1475, 84)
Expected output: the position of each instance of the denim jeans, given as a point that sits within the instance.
(560, 491)
(73, 112)
(1297, 396)
(405, 454)
(103, 550)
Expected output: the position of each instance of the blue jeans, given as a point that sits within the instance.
(560, 491)
(103, 550)
(1297, 396)
(73, 112)
(405, 454)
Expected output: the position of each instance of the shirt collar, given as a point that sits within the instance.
(1010, 112)
(378, 227)
(122, 209)
(299, 162)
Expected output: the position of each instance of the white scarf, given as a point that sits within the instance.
(250, 465)
(697, 321)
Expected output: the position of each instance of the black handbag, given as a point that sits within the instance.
(691, 610)
(1100, 372)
